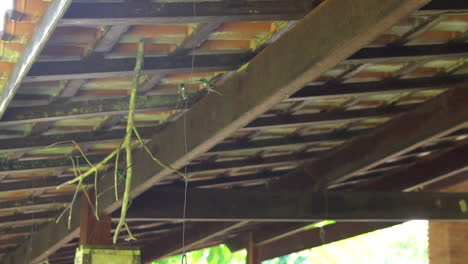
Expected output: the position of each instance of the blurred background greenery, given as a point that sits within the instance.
(406, 243)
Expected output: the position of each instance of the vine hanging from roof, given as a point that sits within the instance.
(126, 145)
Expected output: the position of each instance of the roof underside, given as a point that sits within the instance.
(79, 85)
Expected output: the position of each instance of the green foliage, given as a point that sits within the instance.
(214, 255)
(406, 243)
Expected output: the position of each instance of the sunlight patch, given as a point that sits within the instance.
(5, 8)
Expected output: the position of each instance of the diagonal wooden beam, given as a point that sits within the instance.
(289, 206)
(269, 78)
(197, 38)
(312, 238)
(438, 166)
(71, 89)
(138, 13)
(110, 38)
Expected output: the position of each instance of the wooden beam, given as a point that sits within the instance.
(44, 215)
(33, 184)
(325, 117)
(110, 38)
(14, 165)
(296, 140)
(288, 206)
(197, 38)
(229, 180)
(5, 231)
(92, 108)
(372, 88)
(438, 166)
(253, 162)
(150, 84)
(98, 67)
(71, 88)
(87, 138)
(266, 233)
(254, 253)
(416, 31)
(269, 78)
(444, 6)
(312, 238)
(22, 204)
(138, 13)
(100, 136)
(93, 231)
(201, 34)
(408, 53)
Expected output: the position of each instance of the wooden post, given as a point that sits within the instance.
(93, 231)
(254, 254)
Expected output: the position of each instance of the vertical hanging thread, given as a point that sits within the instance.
(186, 179)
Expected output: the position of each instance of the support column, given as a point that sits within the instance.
(93, 231)
(254, 252)
(95, 239)
(448, 241)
